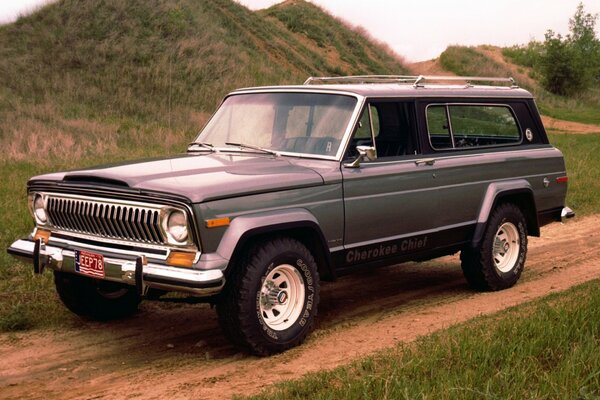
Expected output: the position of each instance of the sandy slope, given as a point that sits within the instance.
(177, 351)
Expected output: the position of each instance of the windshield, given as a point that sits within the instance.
(306, 123)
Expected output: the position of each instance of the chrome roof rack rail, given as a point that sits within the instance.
(361, 79)
(468, 79)
(416, 81)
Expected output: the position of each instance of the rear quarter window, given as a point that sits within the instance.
(457, 126)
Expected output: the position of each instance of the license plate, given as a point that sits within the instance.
(90, 264)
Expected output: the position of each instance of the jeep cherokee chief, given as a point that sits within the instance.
(288, 185)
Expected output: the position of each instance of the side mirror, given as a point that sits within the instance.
(368, 152)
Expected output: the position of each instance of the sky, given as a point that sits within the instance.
(421, 30)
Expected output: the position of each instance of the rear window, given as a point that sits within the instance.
(457, 126)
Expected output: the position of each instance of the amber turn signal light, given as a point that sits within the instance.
(181, 258)
(214, 223)
(42, 234)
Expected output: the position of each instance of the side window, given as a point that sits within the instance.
(364, 127)
(471, 126)
(395, 137)
(439, 128)
(393, 127)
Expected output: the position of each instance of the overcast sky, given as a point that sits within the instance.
(421, 30)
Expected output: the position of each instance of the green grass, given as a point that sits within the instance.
(467, 61)
(526, 55)
(583, 167)
(356, 53)
(584, 108)
(549, 349)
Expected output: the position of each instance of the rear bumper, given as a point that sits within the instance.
(132, 270)
(566, 212)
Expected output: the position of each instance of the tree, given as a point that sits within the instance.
(558, 66)
(572, 63)
(585, 44)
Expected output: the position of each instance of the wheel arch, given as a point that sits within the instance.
(518, 192)
(298, 224)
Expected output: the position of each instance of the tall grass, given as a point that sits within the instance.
(468, 61)
(354, 51)
(546, 350)
(82, 76)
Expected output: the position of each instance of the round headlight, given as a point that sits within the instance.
(177, 226)
(39, 210)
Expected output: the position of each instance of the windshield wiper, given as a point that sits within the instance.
(249, 146)
(203, 145)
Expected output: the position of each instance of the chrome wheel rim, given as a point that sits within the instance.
(281, 297)
(506, 247)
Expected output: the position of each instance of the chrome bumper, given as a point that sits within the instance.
(137, 272)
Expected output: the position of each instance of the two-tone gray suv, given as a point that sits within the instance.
(289, 185)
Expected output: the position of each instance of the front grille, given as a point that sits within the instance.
(106, 219)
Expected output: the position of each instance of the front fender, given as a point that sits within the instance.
(244, 227)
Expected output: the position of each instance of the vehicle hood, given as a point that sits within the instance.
(198, 177)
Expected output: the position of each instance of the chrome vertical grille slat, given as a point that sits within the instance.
(99, 217)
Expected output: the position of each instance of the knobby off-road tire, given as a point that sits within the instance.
(270, 301)
(95, 299)
(499, 260)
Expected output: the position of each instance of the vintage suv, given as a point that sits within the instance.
(288, 185)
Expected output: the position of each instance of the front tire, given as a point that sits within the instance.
(499, 260)
(271, 300)
(96, 299)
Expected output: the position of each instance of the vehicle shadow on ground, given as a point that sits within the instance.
(164, 331)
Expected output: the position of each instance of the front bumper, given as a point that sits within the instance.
(132, 270)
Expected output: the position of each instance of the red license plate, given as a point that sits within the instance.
(90, 264)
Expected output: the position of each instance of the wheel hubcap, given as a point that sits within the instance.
(506, 247)
(281, 297)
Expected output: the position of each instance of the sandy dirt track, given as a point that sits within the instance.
(177, 351)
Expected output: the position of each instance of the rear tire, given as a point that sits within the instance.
(499, 260)
(96, 299)
(270, 302)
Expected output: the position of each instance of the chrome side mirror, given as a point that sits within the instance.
(368, 152)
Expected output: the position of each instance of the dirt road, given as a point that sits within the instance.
(177, 351)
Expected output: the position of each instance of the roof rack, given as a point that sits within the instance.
(416, 81)
(361, 79)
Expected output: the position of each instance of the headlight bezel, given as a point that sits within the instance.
(40, 218)
(174, 238)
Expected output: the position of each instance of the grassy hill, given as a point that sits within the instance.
(143, 72)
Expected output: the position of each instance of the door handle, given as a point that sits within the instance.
(425, 161)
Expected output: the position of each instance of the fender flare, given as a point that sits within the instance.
(243, 228)
(495, 192)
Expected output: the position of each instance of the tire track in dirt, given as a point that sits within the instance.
(178, 351)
